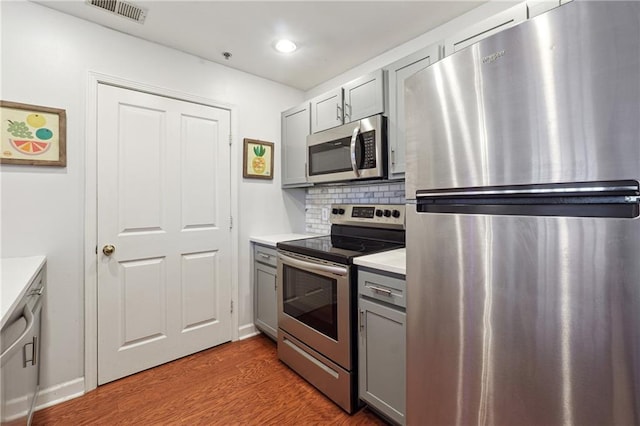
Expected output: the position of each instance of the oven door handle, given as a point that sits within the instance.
(311, 266)
(354, 139)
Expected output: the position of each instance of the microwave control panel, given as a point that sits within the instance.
(369, 146)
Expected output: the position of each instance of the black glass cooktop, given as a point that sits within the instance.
(341, 248)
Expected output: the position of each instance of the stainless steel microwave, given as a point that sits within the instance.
(353, 151)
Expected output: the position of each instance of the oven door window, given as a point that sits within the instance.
(311, 299)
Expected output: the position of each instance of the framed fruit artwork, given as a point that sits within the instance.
(32, 135)
(257, 159)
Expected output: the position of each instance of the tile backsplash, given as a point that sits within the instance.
(320, 197)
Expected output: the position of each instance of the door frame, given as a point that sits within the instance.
(91, 209)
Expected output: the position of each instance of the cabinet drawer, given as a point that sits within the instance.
(379, 286)
(266, 255)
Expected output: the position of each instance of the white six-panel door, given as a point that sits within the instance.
(164, 205)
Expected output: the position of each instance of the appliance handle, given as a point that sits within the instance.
(336, 270)
(29, 314)
(354, 138)
(629, 187)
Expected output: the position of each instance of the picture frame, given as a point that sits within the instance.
(32, 135)
(257, 159)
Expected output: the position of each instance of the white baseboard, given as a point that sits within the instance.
(246, 331)
(59, 393)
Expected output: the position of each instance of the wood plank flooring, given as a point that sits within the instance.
(239, 383)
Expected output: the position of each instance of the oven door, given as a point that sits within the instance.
(314, 305)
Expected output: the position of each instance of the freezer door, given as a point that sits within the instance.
(554, 99)
(522, 320)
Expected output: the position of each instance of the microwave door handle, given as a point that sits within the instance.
(354, 139)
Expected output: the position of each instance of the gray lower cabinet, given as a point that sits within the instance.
(382, 343)
(264, 281)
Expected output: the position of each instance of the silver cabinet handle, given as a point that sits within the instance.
(354, 138)
(264, 256)
(361, 320)
(336, 270)
(36, 292)
(338, 112)
(381, 290)
(34, 351)
(346, 105)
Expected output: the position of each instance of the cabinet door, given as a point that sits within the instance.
(326, 110)
(364, 97)
(266, 315)
(296, 125)
(382, 360)
(397, 73)
(486, 28)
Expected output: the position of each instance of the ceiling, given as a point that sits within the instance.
(332, 36)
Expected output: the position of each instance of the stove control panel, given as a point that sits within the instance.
(371, 215)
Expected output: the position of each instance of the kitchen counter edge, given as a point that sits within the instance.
(16, 274)
(394, 261)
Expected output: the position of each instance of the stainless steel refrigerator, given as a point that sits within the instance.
(523, 236)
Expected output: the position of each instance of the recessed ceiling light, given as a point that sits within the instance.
(285, 46)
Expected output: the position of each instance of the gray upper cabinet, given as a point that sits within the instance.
(486, 28)
(538, 7)
(295, 128)
(397, 73)
(326, 110)
(360, 98)
(364, 97)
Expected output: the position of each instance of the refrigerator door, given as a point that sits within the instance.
(554, 99)
(522, 320)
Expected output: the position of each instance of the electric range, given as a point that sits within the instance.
(317, 296)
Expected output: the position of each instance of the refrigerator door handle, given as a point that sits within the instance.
(629, 188)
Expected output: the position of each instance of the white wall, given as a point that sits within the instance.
(437, 35)
(46, 59)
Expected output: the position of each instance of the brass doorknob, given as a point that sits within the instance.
(108, 250)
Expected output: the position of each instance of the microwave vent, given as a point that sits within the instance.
(121, 8)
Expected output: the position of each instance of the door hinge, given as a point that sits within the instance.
(232, 306)
(230, 139)
(230, 222)
(96, 249)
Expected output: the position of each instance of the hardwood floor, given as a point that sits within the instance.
(239, 383)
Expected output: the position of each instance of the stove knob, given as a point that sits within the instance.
(396, 213)
(379, 213)
(387, 213)
(340, 211)
(334, 211)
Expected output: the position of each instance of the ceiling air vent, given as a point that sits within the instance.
(121, 8)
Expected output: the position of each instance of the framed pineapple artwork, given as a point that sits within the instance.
(32, 135)
(257, 159)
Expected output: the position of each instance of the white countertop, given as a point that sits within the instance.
(272, 240)
(16, 273)
(390, 261)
